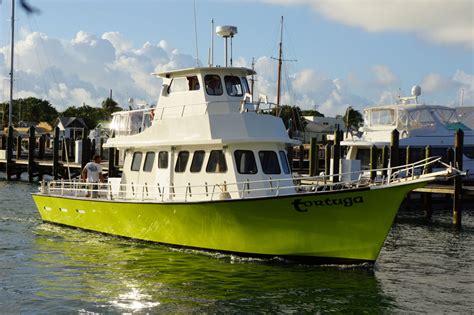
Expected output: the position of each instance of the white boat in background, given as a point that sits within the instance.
(419, 125)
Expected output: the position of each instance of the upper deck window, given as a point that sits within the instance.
(233, 86)
(245, 161)
(269, 162)
(246, 85)
(182, 84)
(213, 84)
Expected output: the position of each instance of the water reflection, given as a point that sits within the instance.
(86, 272)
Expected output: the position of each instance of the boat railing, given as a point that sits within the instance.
(205, 108)
(239, 190)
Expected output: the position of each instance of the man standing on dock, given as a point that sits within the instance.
(92, 173)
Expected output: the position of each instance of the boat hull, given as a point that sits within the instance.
(339, 226)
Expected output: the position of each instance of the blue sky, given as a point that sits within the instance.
(348, 52)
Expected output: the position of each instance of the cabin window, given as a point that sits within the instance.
(163, 159)
(246, 85)
(149, 160)
(245, 161)
(284, 162)
(136, 161)
(198, 159)
(233, 86)
(269, 162)
(216, 163)
(382, 117)
(213, 84)
(178, 85)
(193, 83)
(181, 162)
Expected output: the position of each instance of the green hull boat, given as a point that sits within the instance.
(325, 227)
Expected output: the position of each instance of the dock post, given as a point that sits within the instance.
(427, 200)
(18, 147)
(373, 162)
(85, 149)
(394, 146)
(301, 159)
(31, 153)
(64, 143)
(71, 148)
(56, 153)
(42, 144)
(385, 157)
(9, 166)
(458, 154)
(327, 158)
(4, 142)
(313, 157)
(408, 154)
(336, 156)
(450, 156)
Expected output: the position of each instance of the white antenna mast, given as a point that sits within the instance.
(227, 31)
(195, 34)
(211, 49)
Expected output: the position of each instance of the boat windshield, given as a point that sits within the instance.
(131, 122)
(420, 118)
(382, 117)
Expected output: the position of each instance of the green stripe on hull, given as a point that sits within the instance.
(342, 224)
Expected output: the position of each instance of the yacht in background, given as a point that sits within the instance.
(419, 125)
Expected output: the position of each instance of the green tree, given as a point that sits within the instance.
(292, 117)
(91, 115)
(311, 112)
(29, 109)
(110, 106)
(353, 118)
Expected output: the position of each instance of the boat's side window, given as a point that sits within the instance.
(213, 84)
(149, 160)
(181, 162)
(136, 161)
(216, 163)
(246, 85)
(284, 162)
(163, 159)
(193, 83)
(269, 162)
(198, 160)
(233, 85)
(178, 85)
(245, 161)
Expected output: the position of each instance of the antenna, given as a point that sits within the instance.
(227, 31)
(252, 80)
(195, 34)
(12, 55)
(211, 49)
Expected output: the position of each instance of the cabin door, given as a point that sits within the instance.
(163, 173)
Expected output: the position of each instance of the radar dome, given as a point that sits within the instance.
(416, 90)
(226, 30)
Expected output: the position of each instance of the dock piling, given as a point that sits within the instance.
(427, 197)
(56, 153)
(31, 153)
(394, 147)
(313, 157)
(458, 156)
(373, 162)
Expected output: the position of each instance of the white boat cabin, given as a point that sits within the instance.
(206, 137)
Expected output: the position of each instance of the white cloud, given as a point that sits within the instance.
(85, 68)
(449, 22)
(383, 75)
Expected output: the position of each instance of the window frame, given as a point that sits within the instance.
(264, 169)
(133, 166)
(217, 168)
(238, 161)
(201, 162)
(160, 160)
(284, 162)
(226, 79)
(150, 153)
(178, 160)
(206, 83)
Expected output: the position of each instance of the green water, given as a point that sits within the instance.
(424, 266)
